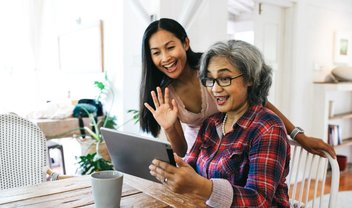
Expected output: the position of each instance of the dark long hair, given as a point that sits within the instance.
(152, 77)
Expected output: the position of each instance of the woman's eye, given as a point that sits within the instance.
(155, 53)
(170, 47)
(224, 79)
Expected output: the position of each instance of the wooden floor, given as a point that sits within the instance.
(346, 180)
(345, 183)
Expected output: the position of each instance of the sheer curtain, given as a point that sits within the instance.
(29, 55)
(29, 62)
(19, 53)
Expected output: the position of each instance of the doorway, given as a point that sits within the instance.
(265, 25)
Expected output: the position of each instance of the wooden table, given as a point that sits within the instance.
(77, 192)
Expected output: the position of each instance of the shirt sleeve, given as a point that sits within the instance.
(222, 193)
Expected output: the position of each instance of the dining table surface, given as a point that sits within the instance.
(77, 192)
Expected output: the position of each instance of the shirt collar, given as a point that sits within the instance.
(245, 120)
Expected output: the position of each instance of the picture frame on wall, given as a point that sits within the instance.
(343, 47)
(82, 48)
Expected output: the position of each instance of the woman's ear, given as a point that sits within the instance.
(186, 44)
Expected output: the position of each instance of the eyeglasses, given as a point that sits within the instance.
(223, 81)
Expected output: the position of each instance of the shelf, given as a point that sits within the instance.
(341, 86)
(341, 116)
(345, 142)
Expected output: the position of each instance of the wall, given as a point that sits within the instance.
(315, 23)
(311, 22)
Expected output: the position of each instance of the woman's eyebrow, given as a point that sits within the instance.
(223, 70)
(220, 71)
(165, 44)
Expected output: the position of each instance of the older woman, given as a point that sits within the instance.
(241, 154)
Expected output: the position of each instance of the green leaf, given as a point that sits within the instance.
(88, 165)
(99, 85)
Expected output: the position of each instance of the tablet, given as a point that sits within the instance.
(132, 154)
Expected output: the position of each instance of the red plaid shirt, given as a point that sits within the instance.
(254, 157)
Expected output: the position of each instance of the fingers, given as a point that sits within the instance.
(164, 166)
(160, 95)
(150, 108)
(174, 105)
(167, 95)
(329, 149)
(332, 153)
(159, 170)
(155, 99)
(179, 161)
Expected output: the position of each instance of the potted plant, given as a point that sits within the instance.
(95, 156)
(98, 159)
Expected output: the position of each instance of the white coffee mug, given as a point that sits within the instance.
(107, 188)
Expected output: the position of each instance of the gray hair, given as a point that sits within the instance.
(249, 61)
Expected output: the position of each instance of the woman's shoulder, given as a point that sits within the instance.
(266, 117)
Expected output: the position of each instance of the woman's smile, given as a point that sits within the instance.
(221, 100)
(171, 67)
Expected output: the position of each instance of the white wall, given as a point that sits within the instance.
(315, 24)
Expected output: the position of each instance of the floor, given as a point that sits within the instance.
(345, 183)
(346, 179)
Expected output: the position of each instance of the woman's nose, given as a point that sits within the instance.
(216, 87)
(165, 57)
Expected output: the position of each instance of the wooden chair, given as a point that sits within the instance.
(23, 153)
(307, 179)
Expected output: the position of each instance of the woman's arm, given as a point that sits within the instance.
(165, 113)
(177, 139)
(311, 144)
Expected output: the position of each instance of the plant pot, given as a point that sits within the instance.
(88, 146)
(342, 161)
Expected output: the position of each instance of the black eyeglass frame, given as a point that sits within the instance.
(204, 81)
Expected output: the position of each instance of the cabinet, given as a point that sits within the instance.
(341, 96)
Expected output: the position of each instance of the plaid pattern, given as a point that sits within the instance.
(254, 157)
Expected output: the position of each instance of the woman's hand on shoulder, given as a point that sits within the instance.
(165, 112)
(315, 145)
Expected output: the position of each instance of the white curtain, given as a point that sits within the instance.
(19, 53)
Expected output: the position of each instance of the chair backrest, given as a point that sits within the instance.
(23, 152)
(307, 178)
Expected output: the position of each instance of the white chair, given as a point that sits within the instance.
(307, 178)
(23, 152)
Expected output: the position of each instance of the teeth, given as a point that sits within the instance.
(221, 98)
(170, 65)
